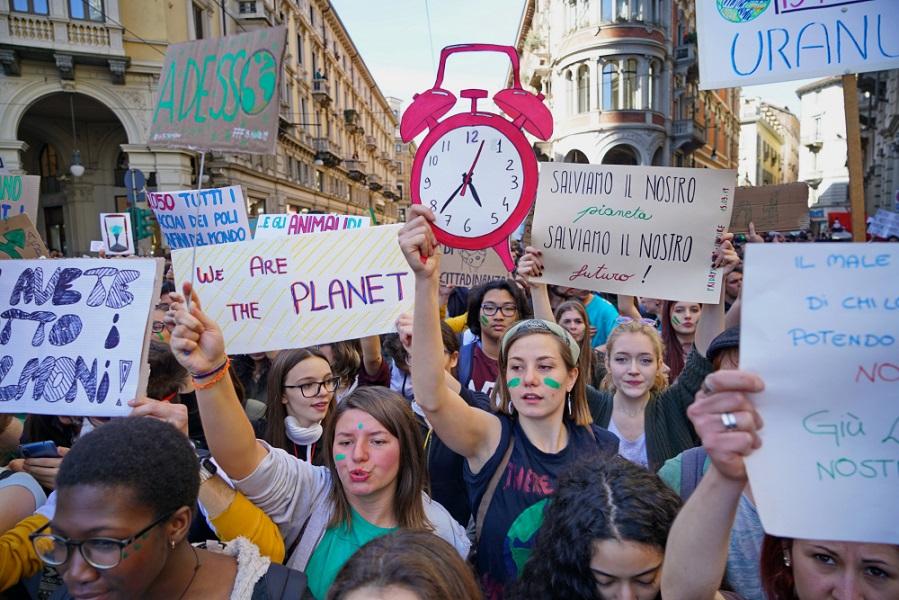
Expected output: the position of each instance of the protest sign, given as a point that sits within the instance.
(884, 224)
(470, 268)
(820, 326)
(201, 217)
(118, 239)
(221, 93)
(19, 239)
(270, 226)
(19, 195)
(75, 334)
(771, 208)
(303, 290)
(647, 231)
(749, 42)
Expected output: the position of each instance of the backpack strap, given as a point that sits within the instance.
(491, 488)
(283, 583)
(466, 358)
(691, 470)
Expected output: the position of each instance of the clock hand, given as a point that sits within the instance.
(471, 170)
(445, 204)
(474, 193)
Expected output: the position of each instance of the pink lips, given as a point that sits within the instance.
(359, 475)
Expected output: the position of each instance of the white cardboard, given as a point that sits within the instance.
(280, 225)
(190, 218)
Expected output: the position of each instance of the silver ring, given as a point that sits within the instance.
(729, 421)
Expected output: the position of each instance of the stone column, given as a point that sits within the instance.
(11, 153)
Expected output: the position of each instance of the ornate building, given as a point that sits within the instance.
(79, 85)
(762, 144)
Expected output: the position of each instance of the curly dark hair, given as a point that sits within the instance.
(476, 298)
(613, 499)
(150, 457)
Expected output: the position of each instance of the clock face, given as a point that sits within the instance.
(472, 178)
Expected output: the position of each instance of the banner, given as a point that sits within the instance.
(820, 326)
(221, 93)
(279, 225)
(470, 268)
(19, 195)
(200, 218)
(278, 293)
(771, 208)
(750, 42)
(19, 239)
(118, 239)
(640, 231)
(75, 334)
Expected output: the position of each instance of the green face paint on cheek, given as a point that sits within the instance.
(484, 320)
(514, 382)
(339, 456)
(675, 320)
(552, 383)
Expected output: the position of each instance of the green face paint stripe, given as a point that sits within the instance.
(359, 426)
(340, 457)
(484, 320)
(675, 320)
(552, 383)
(514, 382)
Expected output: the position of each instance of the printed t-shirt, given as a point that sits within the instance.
(516, 510)
(335, 548)
(484, 371)
(603, 316)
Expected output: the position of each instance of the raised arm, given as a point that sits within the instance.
(696, 552)
(712, 321)
(467, 431)
(531, 265)
(199, 346)
(371, 354)
(627, 307)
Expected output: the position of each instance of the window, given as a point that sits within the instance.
(652, 102)
(607, 9)
(570, 15)
(49, 169)
(624, 10)
(638, 14)
(299, 48)
(610, 85)
(86, 10)
(629, 76)
(37, 7)
(247, 8)
(199, 21)
(569, 89)
(584, 14)
(583, 89)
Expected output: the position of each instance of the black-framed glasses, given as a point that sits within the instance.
(99, 552)
(314, 388)
(158, 326)
(508, 310)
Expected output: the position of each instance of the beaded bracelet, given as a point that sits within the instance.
(218, 377)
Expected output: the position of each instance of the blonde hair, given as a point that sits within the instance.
(660, 381)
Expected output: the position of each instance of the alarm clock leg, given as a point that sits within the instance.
(505, 254)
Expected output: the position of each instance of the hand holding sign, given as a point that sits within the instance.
(197, 340)
(418, 242)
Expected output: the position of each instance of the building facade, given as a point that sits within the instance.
(789, 130)
(879, 115)
(620, 77)
(761, 144)
(823, 152)
(79, 86)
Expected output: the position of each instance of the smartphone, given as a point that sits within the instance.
(45, 449)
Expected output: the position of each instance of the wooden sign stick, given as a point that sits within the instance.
(854, 144)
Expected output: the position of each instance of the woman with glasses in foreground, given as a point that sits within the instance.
(126, 496)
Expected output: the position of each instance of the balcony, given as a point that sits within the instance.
(370, 142)
(355, 169)
(385, 157)
(321, 91)
(374, 182)
(351, 120)
(326, 152)
(688, 135)
(256, 11)
(813, 141)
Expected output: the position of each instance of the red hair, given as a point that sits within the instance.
(777, 578)
(674, 354)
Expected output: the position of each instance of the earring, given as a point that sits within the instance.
(172, 544)
(511, 408)
(787, 561)
(571, 414)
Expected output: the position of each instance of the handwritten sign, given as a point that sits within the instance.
(19, 195)
(646, 231)
(75, 334)
(884, 224)
(771, 208)
(278, 293)
(470, 268)
(821, 327)
(118, 239)
(199, 218)
(19, 239)
(748, 42)
(221, 93)
(270, 226)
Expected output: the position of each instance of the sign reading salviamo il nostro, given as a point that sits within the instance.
(221, 93)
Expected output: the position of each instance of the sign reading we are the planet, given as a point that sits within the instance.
(221, 93)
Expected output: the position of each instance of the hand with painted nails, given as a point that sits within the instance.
(418, 243)
(530, 264)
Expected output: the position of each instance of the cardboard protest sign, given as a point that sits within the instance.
(749, 42)
(771, 208)
(469, 268)
(19, 195)
(270, 226)
(19, 239)
(199, 218)
(884, 224)
(647, 231)
(820, 326)
(75, 334)
(118, 239)
(278, 293)
(221, 93)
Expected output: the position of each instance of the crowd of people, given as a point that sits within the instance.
(514, 440)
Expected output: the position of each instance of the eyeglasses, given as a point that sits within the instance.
(314, 388)
(158, 326)
(508, 310)
(163, 306)
(622, 320)
(99, 552)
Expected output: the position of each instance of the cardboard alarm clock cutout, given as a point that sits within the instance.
(476, 170)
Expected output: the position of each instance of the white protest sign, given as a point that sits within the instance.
(820, 325)
(884, 224)
(279, 225)
(19, 196)
(118, 239)
(470, 268)
(75, 334)
(647, 231)
(303, 290)
(201, 217)
(97, 245)
(749, 42)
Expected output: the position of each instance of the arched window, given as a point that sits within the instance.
(653, 88)
(607, 11)
(569, 92)
(630, 83)
(583, 89)
(637, 6)
(624, 10)
(610, 87)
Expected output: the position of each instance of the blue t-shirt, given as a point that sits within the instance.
(603, 315)
(516, 510)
